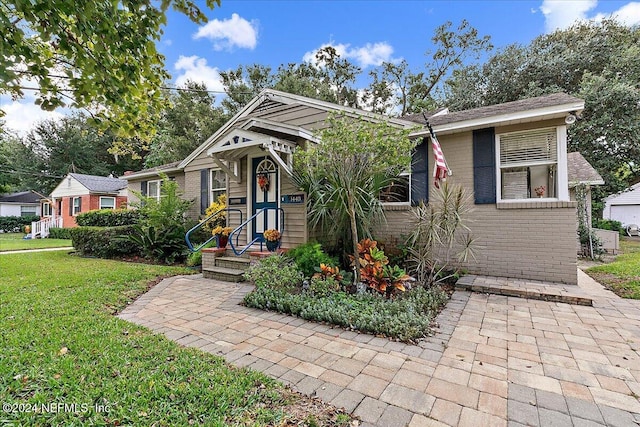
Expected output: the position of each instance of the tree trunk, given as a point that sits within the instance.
(354, 237)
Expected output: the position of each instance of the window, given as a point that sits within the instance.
(107, 202)
(218, 184)
(77, 205)
(399, 191)
(28, 211)
(46, 209)
(528, 164)
(153, 189)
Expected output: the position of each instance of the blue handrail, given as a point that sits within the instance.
(202, 224)
(260, 239)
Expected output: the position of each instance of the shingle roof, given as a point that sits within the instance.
(168, 167)
(581, 171)
(100, 184)
(21, 197)
(554, 99)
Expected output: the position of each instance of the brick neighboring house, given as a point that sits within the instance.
(78, 193)
(501, 154)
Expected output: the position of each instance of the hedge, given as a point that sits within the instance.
(103, 242)
(108, 218)
(60, 233)
(15, 224)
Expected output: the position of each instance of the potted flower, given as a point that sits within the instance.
(540, 191)
(263, 181)
(222, 235)
(272, 239)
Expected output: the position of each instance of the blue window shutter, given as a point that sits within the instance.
(204, 190)
(420, 173)
(143, 188)
(484, 166)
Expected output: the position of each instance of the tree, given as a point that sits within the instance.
(95, 54)
(340, 74)
(243, 84)
(596, 61)
(344, 174)
(190, 118)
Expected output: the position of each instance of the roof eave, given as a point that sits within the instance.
(538, 114)
(148, 174)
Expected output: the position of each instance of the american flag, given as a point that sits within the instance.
(441, 170)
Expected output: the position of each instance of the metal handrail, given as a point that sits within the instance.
(260, 239)
(202, 224)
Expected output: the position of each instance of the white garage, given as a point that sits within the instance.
(624, 206)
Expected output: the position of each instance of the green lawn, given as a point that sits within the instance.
(14, 242)
(61, 344)
(622, 276)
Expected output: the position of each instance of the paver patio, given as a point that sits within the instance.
(495, 360)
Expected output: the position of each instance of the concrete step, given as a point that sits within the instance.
(237, 263)
(222, 273)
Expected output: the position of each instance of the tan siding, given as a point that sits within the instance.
(528, 240)
(295, 216)
(299, 115)
(239, 190)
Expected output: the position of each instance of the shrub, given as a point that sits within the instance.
(322, 286)
(309, 256)
(108, 218)
(103, 242)
(60, 233)
(162, 226)
(15, 224)
(609, 224)
(406, 318)
(275, 272)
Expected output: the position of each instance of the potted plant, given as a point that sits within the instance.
(540, 191)
(272, 239)
(222, 235)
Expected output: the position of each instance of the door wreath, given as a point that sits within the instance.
(263, 181)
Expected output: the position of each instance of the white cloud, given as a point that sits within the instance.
(22, 116)
(560, 14)
(196, 69)
(371, 54)
(230, 33)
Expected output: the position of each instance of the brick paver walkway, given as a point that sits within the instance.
(495, 361)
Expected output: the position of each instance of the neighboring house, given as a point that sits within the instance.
(500, 153)
(78, 193)
(581, 172)
(624, 206)
(24, 203)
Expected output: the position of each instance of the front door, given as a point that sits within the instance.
(265, 194)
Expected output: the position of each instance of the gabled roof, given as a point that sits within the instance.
(556, 105)
(21, 197)
(580, 171)
(627, 196)
(270, 97)
(99, 184)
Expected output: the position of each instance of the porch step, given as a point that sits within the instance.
(238, 263)
(223, 274)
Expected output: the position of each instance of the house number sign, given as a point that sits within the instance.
(292, 199)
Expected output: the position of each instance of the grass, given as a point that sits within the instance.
(15, 242)
(61, 344)
(622, 276)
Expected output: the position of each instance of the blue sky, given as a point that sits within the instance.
(273, 32)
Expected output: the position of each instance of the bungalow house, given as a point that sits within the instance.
(78, 193)
(500, 153)
(24, 203)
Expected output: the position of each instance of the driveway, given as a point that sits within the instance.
(495, 360)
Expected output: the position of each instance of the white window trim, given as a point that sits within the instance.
(47, 208)
(74, 205)
(408, 202)
(107, 197)
(217, 189)
(159, 186)
(562, 177)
